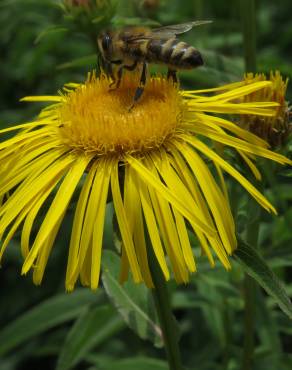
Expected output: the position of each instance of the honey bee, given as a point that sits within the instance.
(133, 46)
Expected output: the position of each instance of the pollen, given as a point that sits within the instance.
(97, 119)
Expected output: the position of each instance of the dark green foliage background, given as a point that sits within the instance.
(42, 327)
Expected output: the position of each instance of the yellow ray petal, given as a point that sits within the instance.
(242, 145)
(172, 180)
(169, 236)
(58, 206)
(168, 195)
(182, 168)
(232, 171)
(263, 109)
(251, 165)
(184, 241)
(44, 253)
(229, 86)
(152, 226)
(85, 272)
(29, 220)
(24, 169)
(214, 241)
(38, 175)
(236, 93)
(213, 195)
(215, 122)
(13, 228)
(132, 204)
(85, 244)
(26, 136)
(29, 125)
(98, 226)
(73, 269)
(124, 226)
(45, 98)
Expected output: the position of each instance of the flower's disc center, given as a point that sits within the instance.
(97, 119)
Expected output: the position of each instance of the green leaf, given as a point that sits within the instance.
(79, 62)
(141, 363)
(133, 301)
(256, 267)
(93, 327)
(54, 311)
(52, 30)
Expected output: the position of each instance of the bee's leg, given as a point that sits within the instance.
(171, 74)
(106, 67)
(117, 81)
(132, 67)
(108, 70)
(140, 89)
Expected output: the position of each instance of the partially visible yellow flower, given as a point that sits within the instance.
(88, 16)
(152, 160)
(272, 129)
(150, 4)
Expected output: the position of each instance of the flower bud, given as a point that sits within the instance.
(274, 130)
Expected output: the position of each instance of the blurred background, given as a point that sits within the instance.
(42, 327)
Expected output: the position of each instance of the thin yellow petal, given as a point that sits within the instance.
(58, 207)
(25, 168)
(152, 226)
(79, 216)
(182, 168)
(125, 267)
(263, 109)
(214, 241)
(85, 272)
(218, 122)
(232, 171)
(13, 229)
(45, 252)
(242, 145)
(167, 194)
(214, 197)
(29, 135)
(45, 98)
(251, 165)
(169, 236)
(98, 227)
(184, 241)
(124, 226)
(18, 127)
(235, 93)
(30, 218)
(38, 175)
(132, 204)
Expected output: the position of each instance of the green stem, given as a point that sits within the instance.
(166, 318)
(248, 18)
(249, 299)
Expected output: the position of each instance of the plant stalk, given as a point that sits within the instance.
(249, 299)
(166, 318)
(248, 18)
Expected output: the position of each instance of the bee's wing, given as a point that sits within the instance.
(165, 32)
(176, 29)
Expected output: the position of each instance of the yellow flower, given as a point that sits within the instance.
(276, 129)
(151, 160)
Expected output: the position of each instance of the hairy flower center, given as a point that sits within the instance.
(96, 119)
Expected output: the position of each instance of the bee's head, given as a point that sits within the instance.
(105, 45)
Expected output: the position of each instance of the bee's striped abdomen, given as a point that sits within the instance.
(176, 54)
